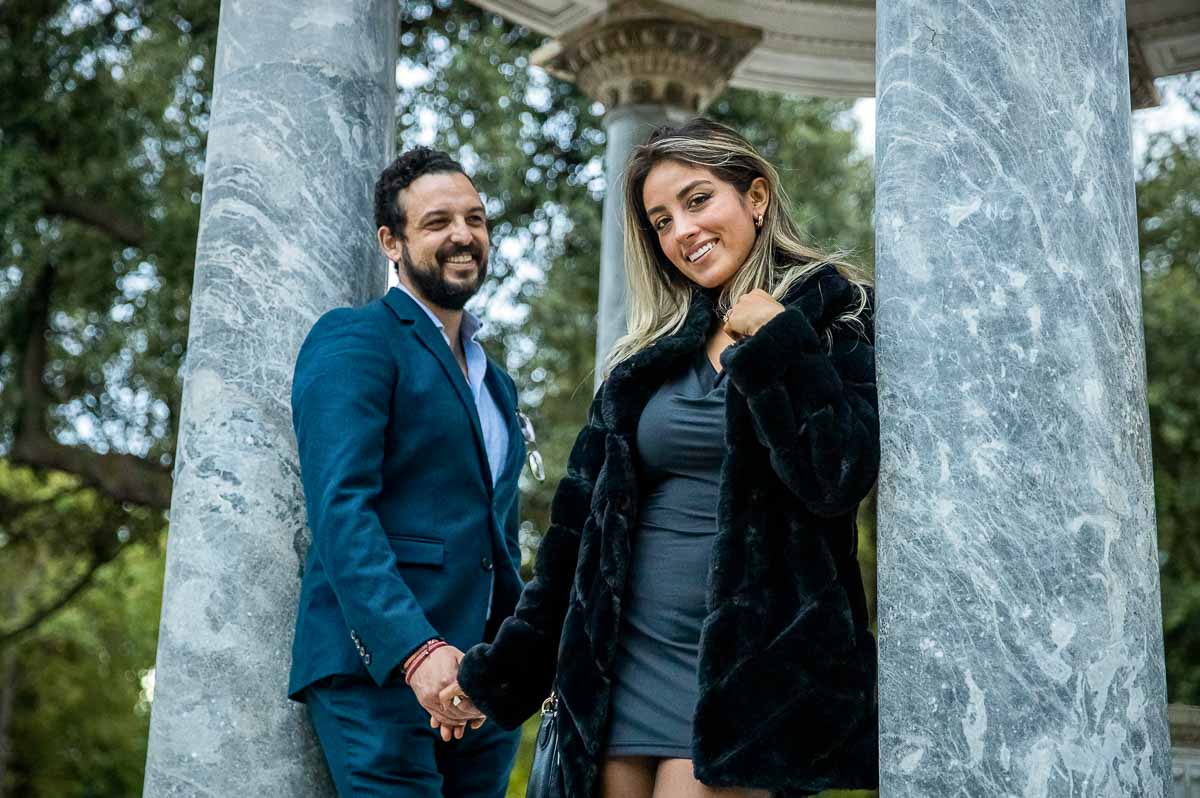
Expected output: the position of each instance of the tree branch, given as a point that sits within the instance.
(122, 477)
(102, 217)
(99, 558)
(13, 510)
(31, 327)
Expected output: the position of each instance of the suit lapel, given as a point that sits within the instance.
(431, 338)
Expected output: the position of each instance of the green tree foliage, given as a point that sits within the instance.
(1168, 200)
(104, 109)
(102, 118)
(80, 715)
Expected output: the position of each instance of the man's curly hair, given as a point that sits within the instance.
(419, 161)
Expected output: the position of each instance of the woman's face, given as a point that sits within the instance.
(704, 225)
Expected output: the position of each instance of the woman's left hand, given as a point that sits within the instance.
(750, 313)
(473, 716)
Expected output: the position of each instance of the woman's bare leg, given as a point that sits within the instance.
(674, 779)
(627, 777)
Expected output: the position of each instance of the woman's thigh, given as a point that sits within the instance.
(627, 777)
(674, 779)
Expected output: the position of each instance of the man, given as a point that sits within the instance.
(410, 449)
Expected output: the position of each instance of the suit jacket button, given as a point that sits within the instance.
(366, 659)
(486, 563)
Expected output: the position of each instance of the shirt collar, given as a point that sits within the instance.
(470, 323)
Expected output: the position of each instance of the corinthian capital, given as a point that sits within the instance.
(640, 51)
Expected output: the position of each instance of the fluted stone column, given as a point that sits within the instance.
(651, 64)
(302, 123)
(1020, 627)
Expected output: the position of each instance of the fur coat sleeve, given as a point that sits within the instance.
(509, 678)
(813, 402)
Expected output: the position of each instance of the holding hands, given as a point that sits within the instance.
(431, 673)
(453, 697)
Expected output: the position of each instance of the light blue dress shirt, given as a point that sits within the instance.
(491, 420)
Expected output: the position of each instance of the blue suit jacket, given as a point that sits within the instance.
(407, 530)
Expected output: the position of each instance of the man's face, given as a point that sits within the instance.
(444, 253)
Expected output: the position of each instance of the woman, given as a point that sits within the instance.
(697, 603)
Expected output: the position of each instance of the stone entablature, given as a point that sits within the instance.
(827, 47)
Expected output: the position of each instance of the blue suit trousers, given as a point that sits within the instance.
(378, 742)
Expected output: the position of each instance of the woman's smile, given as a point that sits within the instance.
(698, 254)
(704, 225)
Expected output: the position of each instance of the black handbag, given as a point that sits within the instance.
(545, 775)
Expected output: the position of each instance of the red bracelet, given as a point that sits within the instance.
(420, 658)
(423, 648)
(421, 652)
(416, 662)
(413, 656)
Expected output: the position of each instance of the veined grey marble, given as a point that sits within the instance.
(625, 127)
(302, 121)
(1020, 625)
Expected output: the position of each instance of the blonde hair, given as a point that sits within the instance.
(658, 296)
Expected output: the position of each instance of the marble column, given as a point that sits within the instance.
(650, 64)
(1020, 629)
(302, 123)
(625, 127)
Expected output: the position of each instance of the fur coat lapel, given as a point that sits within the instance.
(820, 297)
(632, 381)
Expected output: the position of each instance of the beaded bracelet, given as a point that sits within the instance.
(420, 658)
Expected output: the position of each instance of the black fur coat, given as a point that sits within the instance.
(787, 696)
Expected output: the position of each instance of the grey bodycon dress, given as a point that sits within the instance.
(680, 442)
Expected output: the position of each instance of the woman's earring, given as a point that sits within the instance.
(758, 220)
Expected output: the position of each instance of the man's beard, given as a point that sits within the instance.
(433, 285)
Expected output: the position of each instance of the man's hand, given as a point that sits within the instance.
(438, 671)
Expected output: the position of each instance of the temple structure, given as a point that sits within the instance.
(1020, 625)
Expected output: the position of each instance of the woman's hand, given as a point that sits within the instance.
(750, 313)
(464, 707)
(431, 675)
